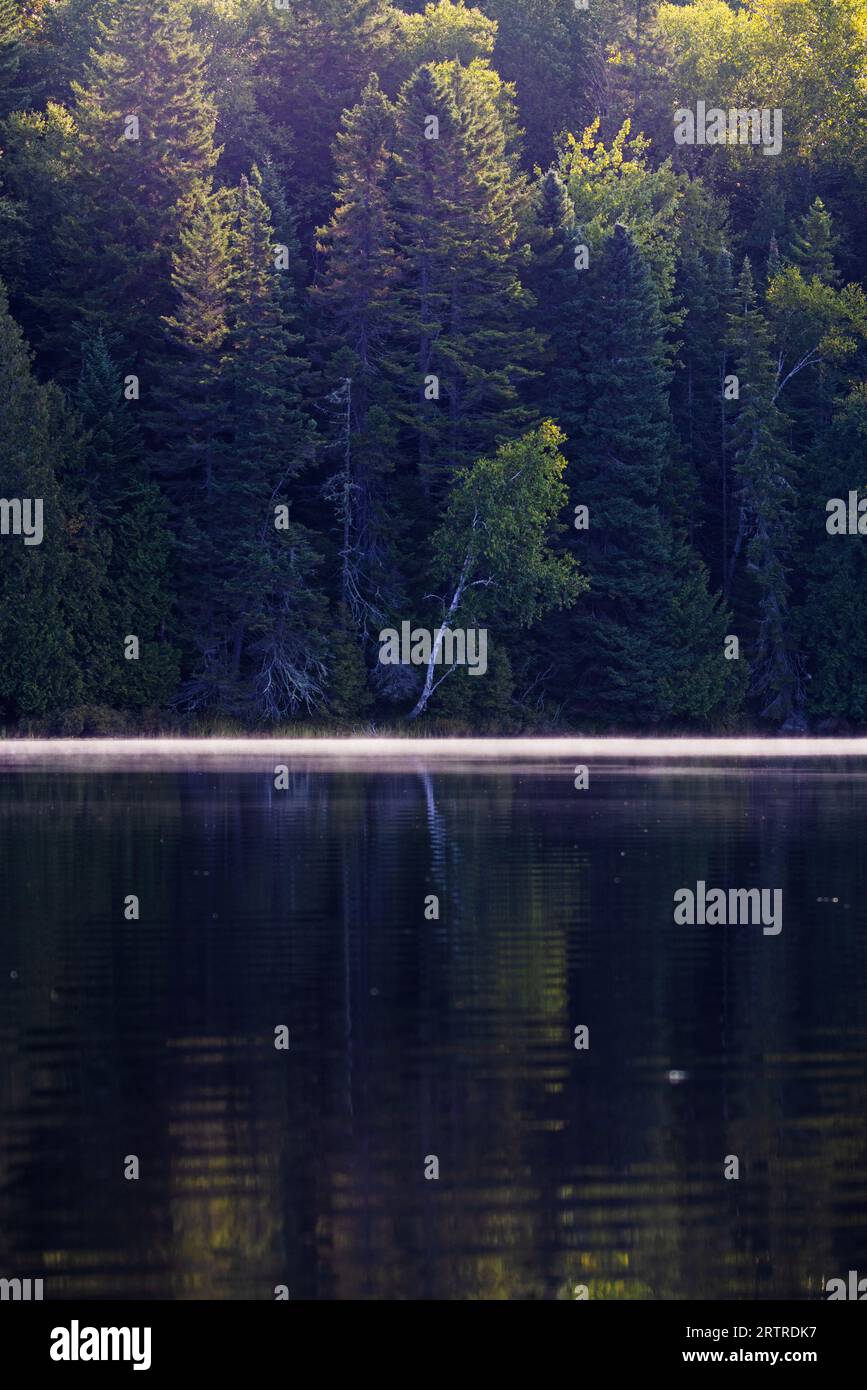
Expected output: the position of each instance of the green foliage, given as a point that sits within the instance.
(808, 59)
(459, 204)
(493, 541)
(39, 671)
(130, 511)
(814, 244)
(349, 695)
(444, 31)
(832, 623)
(10, 56)
(648, 602)
(133, 187)
(765, 499)
(294, 342)
(313, 64)
(547, 48)
(620, 184)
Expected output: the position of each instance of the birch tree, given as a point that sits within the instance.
(493, 550)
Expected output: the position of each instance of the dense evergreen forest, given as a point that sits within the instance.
(319, 318)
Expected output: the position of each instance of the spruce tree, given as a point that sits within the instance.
(550, 276)
(725, 291)
(461, 211)
(765, 496)
(550, 51)
(319, 55)
(353, 298)
(142, 157)
(349, 695)
(696, 482)
(39, 672)
(645, 645)
(269, 430)
(131, 512)
(276, 650)
(189, 429)
(230, 438)
(814, 244)
(832, 620)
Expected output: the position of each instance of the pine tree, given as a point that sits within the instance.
(765, 499)
(143, 158)
(460, 211)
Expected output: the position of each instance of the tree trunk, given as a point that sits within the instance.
(427, 690)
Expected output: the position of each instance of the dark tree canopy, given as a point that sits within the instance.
(317, 315)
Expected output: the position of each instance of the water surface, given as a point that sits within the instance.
(411, 1037)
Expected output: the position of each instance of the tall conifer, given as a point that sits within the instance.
(461, 216)
(763, 484)
(143, 157)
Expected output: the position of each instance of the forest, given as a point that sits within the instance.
(537, 319)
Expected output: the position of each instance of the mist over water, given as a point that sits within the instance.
(412, 1037)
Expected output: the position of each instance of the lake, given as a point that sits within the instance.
(424, 1035)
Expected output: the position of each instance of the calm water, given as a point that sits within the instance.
(412, 1037)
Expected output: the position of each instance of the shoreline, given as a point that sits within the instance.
(157, 750)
